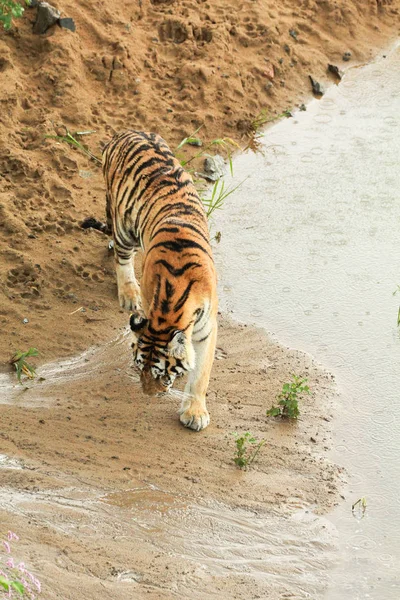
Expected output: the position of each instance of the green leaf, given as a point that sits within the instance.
(4, 583)
(18, 586)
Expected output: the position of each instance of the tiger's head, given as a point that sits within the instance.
(160, 360)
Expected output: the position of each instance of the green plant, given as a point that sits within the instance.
(288, 405)
(71, 139)
(245, 454)
(218, 196)
(22, 366)
(10, 10)
(15, 579)
(226, 143)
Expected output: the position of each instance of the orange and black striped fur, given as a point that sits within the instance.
(153, 204)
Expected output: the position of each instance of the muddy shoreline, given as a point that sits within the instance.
(97, 457)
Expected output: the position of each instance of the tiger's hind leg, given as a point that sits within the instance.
(193, 412)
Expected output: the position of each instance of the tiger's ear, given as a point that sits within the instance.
(177, 345)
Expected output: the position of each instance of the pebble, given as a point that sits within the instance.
(346, 56)
(46, 16)
(214, 167)
(25, 321)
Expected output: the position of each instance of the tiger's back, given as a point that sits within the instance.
(153, 204)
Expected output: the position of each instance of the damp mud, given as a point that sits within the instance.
(310, 250)
(111, 495)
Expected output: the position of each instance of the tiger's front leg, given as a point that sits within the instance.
(128, 287)
(193, 412)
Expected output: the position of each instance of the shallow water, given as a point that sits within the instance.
(289, 553)
(310, 251)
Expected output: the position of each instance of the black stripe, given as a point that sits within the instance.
(165, 229)
(160, 331)
(169, 289)
(176, 209)
(177, 245)
(165, 306)
(196, 230)
(177, 272)
(149, 205)
(184, 296)
(202, 339)
(157, 292)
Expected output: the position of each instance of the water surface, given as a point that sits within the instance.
(310, 251)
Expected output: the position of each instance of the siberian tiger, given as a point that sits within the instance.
(153, 204)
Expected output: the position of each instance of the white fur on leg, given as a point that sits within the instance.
(194, 414)
(128, 288)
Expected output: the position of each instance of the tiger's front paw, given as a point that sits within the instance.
(129, 298)
(194, 414)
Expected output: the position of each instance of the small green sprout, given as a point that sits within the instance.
(245, 454)
(218, 196)
(288, 405)
(8, 586)
(10, 10)
(22, 366)
(71, 139)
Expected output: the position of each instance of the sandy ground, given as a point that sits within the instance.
(103, 486)
(106, 486)
(165, 66)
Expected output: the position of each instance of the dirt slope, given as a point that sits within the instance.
(168, 66)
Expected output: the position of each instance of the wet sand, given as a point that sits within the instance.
(108, 492)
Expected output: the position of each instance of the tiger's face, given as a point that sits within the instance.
(161, 362)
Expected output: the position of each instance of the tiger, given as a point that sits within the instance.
(152, 204)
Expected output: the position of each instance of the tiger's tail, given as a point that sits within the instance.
(92, 223)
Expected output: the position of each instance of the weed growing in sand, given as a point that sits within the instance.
(10, 10)
(227, 144)
(219, 192)
(73, 140)
(288, 405)
(15, 580)
(247, 449)
(22, 366)
(218, 196)
(265, 117)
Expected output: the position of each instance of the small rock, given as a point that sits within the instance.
(302, 107)
(214, 167)
(293, 33)
(346, 56)
(195, 142)
(67, 23)
(25, 321)
(269, 71)
(46, 16)
(335, 71)
(316, 87)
